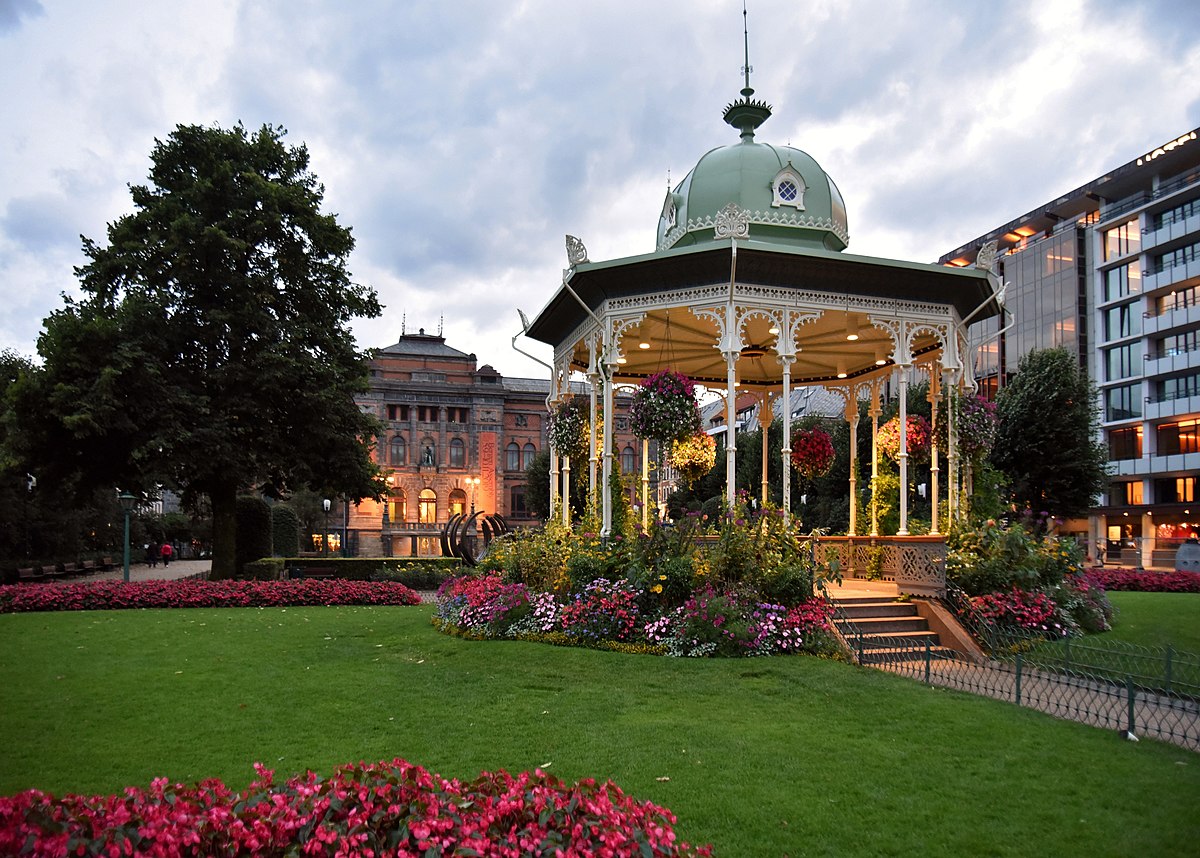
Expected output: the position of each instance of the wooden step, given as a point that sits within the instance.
(879, 609)
(885, 625)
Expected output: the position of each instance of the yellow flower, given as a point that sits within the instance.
(662, 577)
(657, 588)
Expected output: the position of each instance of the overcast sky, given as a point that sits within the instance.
(462, 140)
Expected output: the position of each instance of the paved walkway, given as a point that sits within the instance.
(141, 572)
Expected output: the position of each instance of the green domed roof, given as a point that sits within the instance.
(782, 193)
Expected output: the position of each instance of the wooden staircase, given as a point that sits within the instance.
(879, 629)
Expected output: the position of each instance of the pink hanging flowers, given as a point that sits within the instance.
(664, 407)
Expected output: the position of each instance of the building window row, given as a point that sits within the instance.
(1123, 280)
(1123, 403)
(1180, 299)
(1169, 490)
(1179, 387)
(1122, 240)
(398, 452)
(1125, 443)
(397, 412)
(518, 458)
(1122, 321)
(1183, 211)
(1123, 361)
(1177, 344)
(1176, 438)
(1178, 256)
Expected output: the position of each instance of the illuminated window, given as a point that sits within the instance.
(1176, 438)
(1125, 443)
(427, 507)
(1126, 494)
(1126, 238)
(398, 506)
(458, 502)
(1175, 490)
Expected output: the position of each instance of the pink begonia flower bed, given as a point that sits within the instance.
(110, 595)
(378, 809)
(1150, 582)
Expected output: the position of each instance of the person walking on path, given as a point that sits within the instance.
(152, 553)
(167, 551)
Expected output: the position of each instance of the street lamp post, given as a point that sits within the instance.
(473, 482)
(127, 501)
(326, 503)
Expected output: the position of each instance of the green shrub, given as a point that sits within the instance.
(419, 573)
(285, 531)
(253, 531)
(995, 559)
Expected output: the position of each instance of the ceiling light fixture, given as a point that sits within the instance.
(851, 328)
(643, 345)
(841, 369)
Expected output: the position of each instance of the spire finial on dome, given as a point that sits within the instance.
(744, 114)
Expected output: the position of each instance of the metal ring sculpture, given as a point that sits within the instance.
(454, 535)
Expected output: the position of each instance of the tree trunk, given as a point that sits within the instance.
(224, 512)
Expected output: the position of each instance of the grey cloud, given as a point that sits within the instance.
(12, 11)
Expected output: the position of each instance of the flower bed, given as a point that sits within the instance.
(1150, 582)
(110, 595)
(389, 808)
(606, 615)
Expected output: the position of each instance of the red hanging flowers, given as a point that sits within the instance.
(812, 452)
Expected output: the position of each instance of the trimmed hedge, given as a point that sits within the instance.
(285, 531)
(267, 569)
(420, 573)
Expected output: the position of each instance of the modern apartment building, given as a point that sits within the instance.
(1111, 271)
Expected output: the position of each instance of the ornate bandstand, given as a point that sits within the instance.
(750, 291)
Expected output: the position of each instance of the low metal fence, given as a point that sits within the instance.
(1138, 691)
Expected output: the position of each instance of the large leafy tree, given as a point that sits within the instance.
(211, 349)
(1048, 439)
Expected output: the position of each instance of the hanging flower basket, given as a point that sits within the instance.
(664, 407)
(812, 452)
(694, 456)
(568, 429)
(919, 437)
(976, 421)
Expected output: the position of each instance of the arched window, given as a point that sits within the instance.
(398, 506)
(427, 507)
(628, 460)
(513, 457)
(458, 502)
(527, 454)
(458, 453)
(399, 450)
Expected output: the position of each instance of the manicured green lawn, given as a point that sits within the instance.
(1157, 619)
(787, 756)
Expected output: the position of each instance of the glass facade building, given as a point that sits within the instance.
(1111, 271)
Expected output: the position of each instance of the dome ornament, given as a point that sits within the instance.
(576, 252)
(746, 114)
(733, 221)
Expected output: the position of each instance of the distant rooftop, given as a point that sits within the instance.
(424, 345)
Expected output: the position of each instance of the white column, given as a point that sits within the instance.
(903, 385)
(566, 507)
(765, 416)
(730, 427)
(953, 503)
(787, 360)
(852, 419)
(935, 394)
(606, 440)
(874, 411)
(553, 480)
(593, 380)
